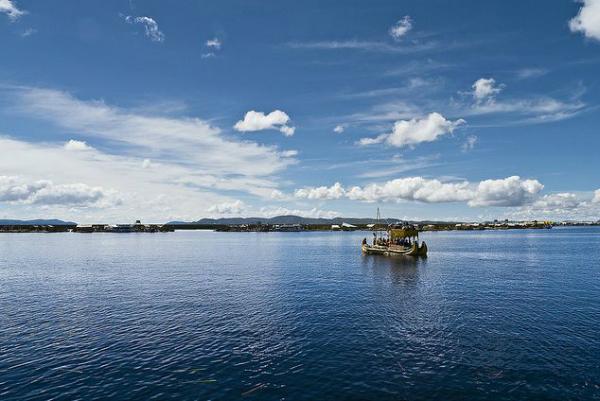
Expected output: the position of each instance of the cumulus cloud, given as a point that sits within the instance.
(401, 28)
(553, 202)
(287, 131)
(507, 192)
(43, 192)
(278, 195)
(334, 192)
(214, 43)
(469, 143)
(75, 145)
(511, 191)
(415, 131)
(150, 27)
(596, 196)
(228, 208)
(563, 205)
(484, 89)
(9, 8)
(412, 189)
(339, 129)
(587, 21)
(258, 121)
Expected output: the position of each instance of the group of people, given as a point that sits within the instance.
(378, 241)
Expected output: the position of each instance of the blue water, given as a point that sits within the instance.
(505, 315)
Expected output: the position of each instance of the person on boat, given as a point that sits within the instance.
(364, 241)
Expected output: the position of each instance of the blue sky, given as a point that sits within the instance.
(157, 110)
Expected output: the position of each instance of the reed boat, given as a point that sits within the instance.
(403, 240)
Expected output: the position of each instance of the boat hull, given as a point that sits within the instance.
(392, 250)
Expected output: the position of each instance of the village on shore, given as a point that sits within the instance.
(258, 226)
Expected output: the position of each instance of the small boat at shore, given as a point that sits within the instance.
(397, 240)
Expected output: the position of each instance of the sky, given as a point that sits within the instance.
(117, 110)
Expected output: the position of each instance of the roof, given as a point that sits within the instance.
(403, 233)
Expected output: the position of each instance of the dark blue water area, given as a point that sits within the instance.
(494, 315)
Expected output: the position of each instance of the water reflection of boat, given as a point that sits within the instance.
(397, 240)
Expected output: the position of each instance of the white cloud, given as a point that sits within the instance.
(208, 55)
(289, 153)
(16, 190)
(155, 194)
(214, 43)
(9, 8)
(511, 191)
(484, 89)
(415, 131)
(193, 164)
(560, 201)
(339, 129)
(74, 145)
(146, 163)
(150, 27)
(412, 189)
(537, 110)
(587, 21)
(228, 208)
(373, 141)
(596, 196)
(189, 139)
(469, 143)
(258, 121)
(334, 192)
(401, 28)
(368, 46)
(508, 192)
(278, 195)
(287, 131)
(561, 206)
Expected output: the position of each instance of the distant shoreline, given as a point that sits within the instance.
(156, 228)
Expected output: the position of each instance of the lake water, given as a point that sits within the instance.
(502, 315)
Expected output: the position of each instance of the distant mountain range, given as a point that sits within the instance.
(38, 222)
(288, 219)
(282, 220)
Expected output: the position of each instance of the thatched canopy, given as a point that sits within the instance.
(397, 233)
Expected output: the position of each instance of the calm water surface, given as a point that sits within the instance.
(299, 316)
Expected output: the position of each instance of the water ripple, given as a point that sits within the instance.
(492, 315)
